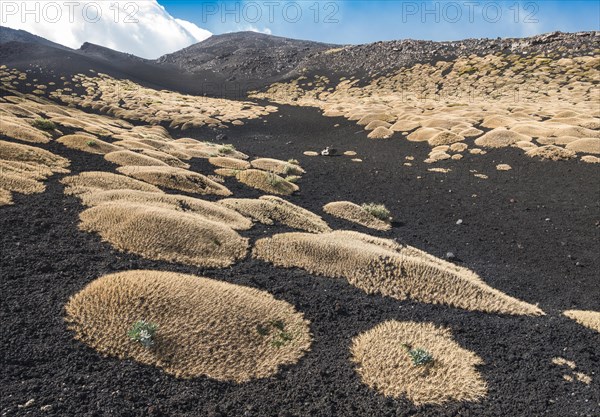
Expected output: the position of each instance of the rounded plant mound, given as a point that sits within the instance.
(500, 138)
(269, 209)
(129, 158)
(551, 152)
(212, 211)
(587, 318)
(102, 181)
(164, 234)
(23, 131)
(382, 266)
(354, 213)
(33, 155)
(445, 138)
(204, 327)
(88, 143)
(588, 145)
(277, 166)
(266, 181)
(381, 132)
(418, 361)
(176, 179)
(227, 162)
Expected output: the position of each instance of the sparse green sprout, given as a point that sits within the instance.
(292, 178)
(43, 124)
(277, 329)
(419, 356)
(91, 143)
(262, 330)
(377, 210)
(293, 161)
(278, 324)
(143, 332)
(227, 149)
(273, 179)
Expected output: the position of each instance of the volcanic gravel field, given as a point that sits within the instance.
(531, 232)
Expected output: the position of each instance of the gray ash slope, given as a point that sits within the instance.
(246, 55)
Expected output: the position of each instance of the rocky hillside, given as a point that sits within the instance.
(246, 55)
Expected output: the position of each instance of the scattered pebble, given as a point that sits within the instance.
(503, 167)
(459, 221)
(356, 160)
(28, 404)
(311, 153)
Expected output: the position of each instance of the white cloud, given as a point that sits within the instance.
(251, 28)
(140, 27)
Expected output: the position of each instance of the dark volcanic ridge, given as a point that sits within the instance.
(229, 65)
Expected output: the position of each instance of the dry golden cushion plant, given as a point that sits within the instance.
(277, 166)
(227, 162)
(17, 129)
(271, 209)
(33, 155)
(354, 213)
(212, 211)
(101, 181)
(204, 327)
(383, 362)
(176, 179)
(266, 181)
(129, 158)
(88, 143)
(382, 266)
(551, 152)
(164, 234)
(587, 318)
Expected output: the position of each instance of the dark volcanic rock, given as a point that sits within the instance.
(245, 55)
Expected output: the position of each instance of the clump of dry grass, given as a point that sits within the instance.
(21, 131)
(33, 155)
(204, 327)
(211, 211)
(587, 318)
(587, 145)
(88, 143)
(276, 166)
(271, 209)
(500, 137)
(503, 167)
(381, 132)
(357, 214)
(165, 234)
(383, 362)
(176, 179)
(550, 152)
(102, 181)
(227, 162)
(128, 158)
(445, 138)
(381, 266)
(266, 181)
(590, 159)
(13, 182)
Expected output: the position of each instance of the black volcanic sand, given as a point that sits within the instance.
(532, 232)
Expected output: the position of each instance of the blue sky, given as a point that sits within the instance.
(368, 21)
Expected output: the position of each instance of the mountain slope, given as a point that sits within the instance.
(245, 55)
(13, 35)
